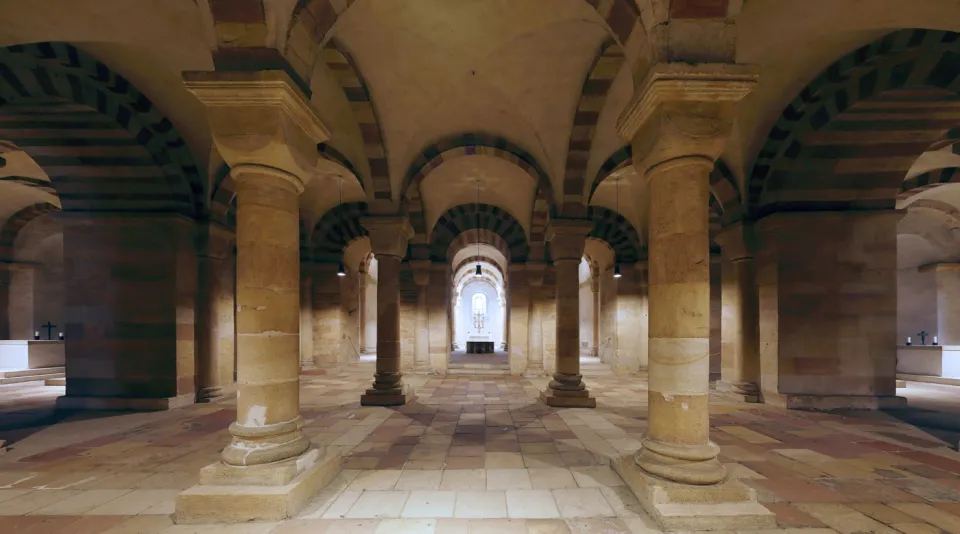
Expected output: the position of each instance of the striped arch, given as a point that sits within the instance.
(725, 203)
(336, 229)
(835, 146)
(614, 230)
(607, 63)
(477, 145)
(462, 218)
(928, 180)
(937, 205)
(101, 141)
(355, 88)
(18, 221)
(470, 238)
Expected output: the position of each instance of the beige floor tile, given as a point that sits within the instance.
(419, 480)
(934, 516)
(538, 461)
(498, 526)
(623, 501)
(582, 502)
(30, 501)
(353, 526)
(503, 460)
(430, 504)
(407, 526)
(453, 526)
(7, 494)
(547, 526)
(383, 479)
(341, 505)
(595, 476)
(533, 504)
(844, 519)
(134, 503)
(882, 513)
(481, 505)
(508, 479)
(464, 479)
(82, 502)
(378, 505)
(143, 524)
(552, 478)
(641, 525)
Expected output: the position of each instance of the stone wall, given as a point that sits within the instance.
(129, 310)
(226, 305)
(916, 304)
(632, 328)
(327, 317)
(716, 312)
(828, 303)
(408, 318)
(518, 326)
(438, 300)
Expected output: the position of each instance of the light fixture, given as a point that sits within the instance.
(340, 269)
(616, 266)
(479, 272)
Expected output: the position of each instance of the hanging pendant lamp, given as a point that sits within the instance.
(479, 272)
(616, 266)
(340, 269)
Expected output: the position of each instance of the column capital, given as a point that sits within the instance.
(939, 267)
(683, 109)
(567, 238)
(421, 271)
(389, 235)
(260, 118)
(737, 242)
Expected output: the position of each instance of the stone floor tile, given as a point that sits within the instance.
(582, 502)
(378, 505)
(547, 526)
(428, 504)
(930, 514)
(623, 501)
(596, 476)
(341, 505)
(481, 505)
(33, 500)
(134, 503)
(917, 528)
(539, 461)
(419, 480)
(498, 526)
(508, 479)
(882, 513)
(844, 519)
(552, 478)
(375, 480)
(791, 516)
(607, 525)
(503, 460)
(407, 526)
(453, 526)
(82, 502)
(534, 504)
(353, 526)
(143, 524)
(464, 479)
(7, 494)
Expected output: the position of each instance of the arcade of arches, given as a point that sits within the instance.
(666, 236)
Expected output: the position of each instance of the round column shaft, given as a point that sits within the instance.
(208, 338)
(677, 445)
(388, 378)
(268, 319)
(740, 325)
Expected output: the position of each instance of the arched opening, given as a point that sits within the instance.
(479, 312)
(368, 308)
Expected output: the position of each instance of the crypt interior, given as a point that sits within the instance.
(466, 266)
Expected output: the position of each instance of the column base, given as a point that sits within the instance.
(279, 490)
(559, 398)
(793, 401)
(728, 505)
(138, 404)
(375, 398)
(214, 393)
(741, 391)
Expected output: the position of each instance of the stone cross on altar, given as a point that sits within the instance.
(49, 328)
(923, 336)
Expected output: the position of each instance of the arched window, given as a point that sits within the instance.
(479, 304)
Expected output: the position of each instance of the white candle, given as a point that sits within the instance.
(908, 340)
(934, 340)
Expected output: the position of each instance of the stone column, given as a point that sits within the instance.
(388, 240)
(421, 351)
(948, 315)
(678, 124)
(266, 131)
(214, 243)
(595, 295)
(567, 238)
(307, 361)
(740, 315)
(362, 311)
(17, 294)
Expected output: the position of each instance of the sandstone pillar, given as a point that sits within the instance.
(534, 276)
(518, 291)
(327, 324)
(213, 249)
(827, 286)
(421, 350)
(264, 128)
(567, 238)
(595, 299)
(307, 361)
(388, 240)
(740, 315)
(678, 124)
(948, 315)
(17, 294)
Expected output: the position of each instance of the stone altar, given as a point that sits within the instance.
(929, 360)
(31, 354)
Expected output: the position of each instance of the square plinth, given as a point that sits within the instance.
(729, 505)
(406, 396)
(568, 399)
(240, 503)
